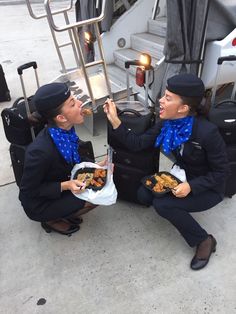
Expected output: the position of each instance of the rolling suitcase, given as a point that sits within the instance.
(223, 114)
(17, 127)
(4, 91)
(130, 167)
(18, 130)
(230, 188)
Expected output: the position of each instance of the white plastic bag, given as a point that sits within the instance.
(106, 196)
(178, 173)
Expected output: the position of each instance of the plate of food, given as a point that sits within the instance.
(160, 183)
(94, 178)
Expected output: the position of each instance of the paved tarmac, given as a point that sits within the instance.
(125, 259)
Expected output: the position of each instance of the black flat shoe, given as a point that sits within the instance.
(198, 263)
(69, 231)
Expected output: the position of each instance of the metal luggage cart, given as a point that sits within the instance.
(89, 81)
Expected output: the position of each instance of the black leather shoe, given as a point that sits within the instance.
(48, 228)
(198, 263)
(75, 220)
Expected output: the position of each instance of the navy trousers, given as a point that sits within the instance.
(177, 211)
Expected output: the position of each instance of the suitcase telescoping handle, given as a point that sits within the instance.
(20, 70)
(219, 62)
(25, 66)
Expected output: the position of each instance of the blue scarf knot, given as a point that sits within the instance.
(174, 133)
(66, 143)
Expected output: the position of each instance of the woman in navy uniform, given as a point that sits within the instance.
(46, 188)
(198, 149)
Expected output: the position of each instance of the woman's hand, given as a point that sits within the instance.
(111, 112)
(182, 190)
(74, 186)
(103, 163)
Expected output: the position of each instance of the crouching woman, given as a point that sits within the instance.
(46, 188)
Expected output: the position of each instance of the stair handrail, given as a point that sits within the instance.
(40, 16)
(73, 25)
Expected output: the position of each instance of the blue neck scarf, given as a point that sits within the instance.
(66, 143)
(174, 133)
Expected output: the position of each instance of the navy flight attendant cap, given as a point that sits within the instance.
(186, 84)
(50, 96)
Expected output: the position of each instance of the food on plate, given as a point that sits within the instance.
(159, 179)
(158, 187)
(85, 177)
(170, 182)
(95, 179)
(100, 173)
(148, 182)
(161, 182)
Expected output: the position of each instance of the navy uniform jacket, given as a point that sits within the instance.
(44, 170)
(204, 157)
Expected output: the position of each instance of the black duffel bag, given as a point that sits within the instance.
(16, 124)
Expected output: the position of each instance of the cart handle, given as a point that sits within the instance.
(73, 25)
(26, 66)
(40, 16)
(226, 58)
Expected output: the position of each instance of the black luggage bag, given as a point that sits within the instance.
(17, 127)
(4, 91)
(230, 188)
(223, 114)
(17, 155)
(130, 167)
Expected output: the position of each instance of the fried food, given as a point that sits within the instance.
(161, 182)
(87, 111)
(170, 182)
(158, 187)
(95, 179)
(85, 177)
(100, 173)
(96, 183)
(159, 179)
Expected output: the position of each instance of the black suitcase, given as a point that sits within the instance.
(130, 167)
(17, 154)
(127, 181)
(230, 188)
(17, 127)
(223, 114)
(4, 91)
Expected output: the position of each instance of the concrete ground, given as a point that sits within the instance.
(125, 259)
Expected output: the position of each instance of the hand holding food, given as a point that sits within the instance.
(111, 112)
(75, 186)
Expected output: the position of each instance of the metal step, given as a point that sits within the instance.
(158, 27)
(145, 42)
(123, 55)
